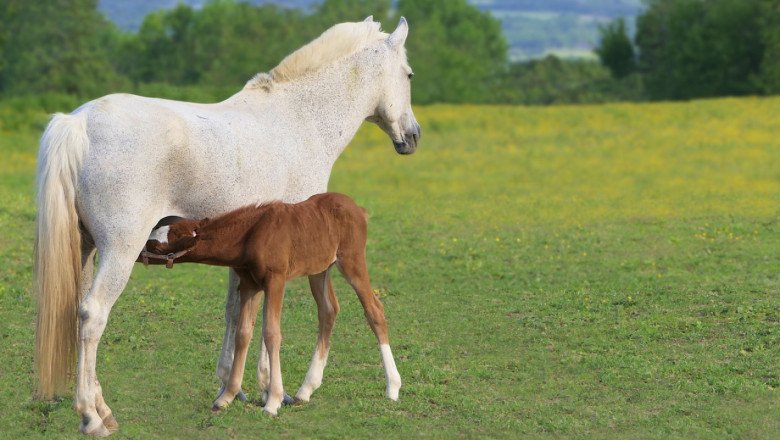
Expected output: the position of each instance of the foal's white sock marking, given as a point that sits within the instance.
(391, 372)
(313, 378)
(160, 234)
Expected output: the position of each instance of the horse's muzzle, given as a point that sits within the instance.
(409, 144)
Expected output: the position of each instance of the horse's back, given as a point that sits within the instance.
(182, 158)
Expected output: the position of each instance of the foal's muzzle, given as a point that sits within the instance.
(409, 143)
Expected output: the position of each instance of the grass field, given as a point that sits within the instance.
(566, 272)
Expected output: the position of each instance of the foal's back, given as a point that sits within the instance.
(307, 237)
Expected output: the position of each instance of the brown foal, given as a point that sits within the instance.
(267, 245)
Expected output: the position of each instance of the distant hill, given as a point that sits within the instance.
(533, 28)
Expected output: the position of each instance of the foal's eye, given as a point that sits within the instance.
(410, 76)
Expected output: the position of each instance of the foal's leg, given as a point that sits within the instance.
(264, 372)
(250, 300)
(327, 309)
(232, 306)
(263, 365)
(272, 310)
(353, 266)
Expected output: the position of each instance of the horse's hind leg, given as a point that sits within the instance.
(114, 269)
(87, 275)
(353, 267)
(250, 300)
(327, 309)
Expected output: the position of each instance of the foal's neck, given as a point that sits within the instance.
(221, 240)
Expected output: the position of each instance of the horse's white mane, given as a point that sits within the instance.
(340, 41)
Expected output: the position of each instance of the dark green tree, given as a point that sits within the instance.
(330, 12)
(164, 48)
(615, 49)
(56, 46)
(222, 44)
(769, 77)
(6, 9)
(692, 48)
(459, 53)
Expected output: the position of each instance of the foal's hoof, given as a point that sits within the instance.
(286, 400)
(216, 408)
(220, 404)
(240, 396)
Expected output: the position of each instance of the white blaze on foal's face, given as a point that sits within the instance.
(160, 234)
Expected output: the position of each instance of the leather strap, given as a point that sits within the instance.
(169, 258)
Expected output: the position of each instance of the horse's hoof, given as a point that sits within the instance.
(392, 394)
(271, 413)
(97, 429)
(110, 423)
(215, 409)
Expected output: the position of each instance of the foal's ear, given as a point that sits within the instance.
(398, 37)
(369, 19)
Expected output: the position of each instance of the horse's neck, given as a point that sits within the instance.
(334, 102)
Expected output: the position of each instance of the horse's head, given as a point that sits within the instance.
(174, 237)
(394, 110)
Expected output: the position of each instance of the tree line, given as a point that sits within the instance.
(682, 49)
(686, 49)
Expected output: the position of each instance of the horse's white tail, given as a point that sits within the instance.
(57, 266)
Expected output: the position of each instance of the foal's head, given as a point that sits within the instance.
(174, 237)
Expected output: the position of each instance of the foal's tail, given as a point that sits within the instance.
(57, 263)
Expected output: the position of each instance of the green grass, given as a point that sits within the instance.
(578, 272)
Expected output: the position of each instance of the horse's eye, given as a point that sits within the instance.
(410, 75)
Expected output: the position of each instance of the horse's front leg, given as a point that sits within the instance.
(327, 309)
(272, 333)
(232, 308)
(250, 300)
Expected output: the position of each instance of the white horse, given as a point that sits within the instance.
(111, 169)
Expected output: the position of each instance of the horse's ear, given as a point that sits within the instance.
(369, 19)
(398, 37)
